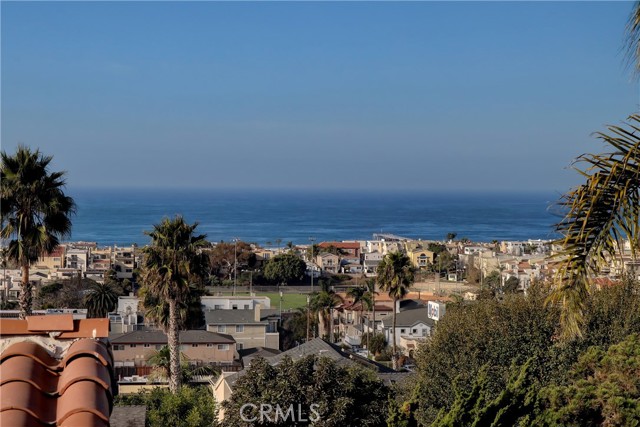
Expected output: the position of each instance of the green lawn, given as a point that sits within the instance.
(289, 301)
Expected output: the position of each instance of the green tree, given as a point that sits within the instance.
(189, 407)
(395, 276)
(172, 262)
(603, 389)
(359, 401)
(101, 299)
(285, 268)
(451, 236)
(35, 212)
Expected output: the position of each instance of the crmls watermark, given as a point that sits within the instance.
(276, 414)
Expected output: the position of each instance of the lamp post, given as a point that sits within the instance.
(308, 317)
(235, 264)
(312, 239)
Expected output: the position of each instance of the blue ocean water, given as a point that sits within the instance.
(120, 217)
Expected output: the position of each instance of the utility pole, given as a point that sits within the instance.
(308, 318)
(235, 264)
(312, 239)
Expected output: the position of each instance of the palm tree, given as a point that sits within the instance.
(161, 360)
(323, 303)
(172, 262)
(370, 301)
(599, 214)
(101, 299)
(35, 212)
(360, 296)
(633, 39)
(395, 275)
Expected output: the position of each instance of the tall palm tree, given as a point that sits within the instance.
(395, 276)
(599, 214)
(171, 263)
(323, 304)
(35, 212)
(370, 301)
(360, 295)
(101, 299)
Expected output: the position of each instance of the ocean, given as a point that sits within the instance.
(110, 216)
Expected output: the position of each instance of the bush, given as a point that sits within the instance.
(190, 407)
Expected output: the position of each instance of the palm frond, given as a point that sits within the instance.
(600, 214)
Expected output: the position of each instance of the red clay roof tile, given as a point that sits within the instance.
(83, 328)
(58, 322)
(33, 391)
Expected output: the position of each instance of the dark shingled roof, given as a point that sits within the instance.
(409, 318)
(159, 337)
(128, 416)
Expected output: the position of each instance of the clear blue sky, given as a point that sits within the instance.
(417, 95)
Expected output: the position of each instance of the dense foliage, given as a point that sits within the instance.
(285, 268)
(496, 355)
(345, 396)
(189, 407)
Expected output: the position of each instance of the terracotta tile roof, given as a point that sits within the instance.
(48, 381)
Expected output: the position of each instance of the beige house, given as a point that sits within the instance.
(53, 259)
(249, 328)
(133, 349)
(420, 257)
(328, 263)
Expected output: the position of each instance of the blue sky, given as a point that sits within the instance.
(415, 95)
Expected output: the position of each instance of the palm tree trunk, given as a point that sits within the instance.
(394, 356)
(26, 294)
(373, 299)
(174, 348)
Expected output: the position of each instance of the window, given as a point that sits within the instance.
(194, 345)
(209, 345)
(222, 328)
(147, 345)
(223, 346)
(118, 347)
(246, 306)
(234, 307)
(132, 345)
(159, 346)
(239, 328)
(415, 331)
(238, 346)
(402, 331)
(217, 307)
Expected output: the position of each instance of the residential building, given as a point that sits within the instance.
(52, 260)
(249, 328)
(132, 350)
(77, 259)
(328, 263)
(420, 257)
(234, 302)
(412, 326)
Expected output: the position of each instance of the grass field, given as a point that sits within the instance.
(289, 301)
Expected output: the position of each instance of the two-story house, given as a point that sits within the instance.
(249, 328)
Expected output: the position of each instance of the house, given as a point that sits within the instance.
(234, 302)
(131, 350)
(347, 249)
(411, 326)
(123, 261)
(56, 371)
(77, 259)
(223, 387)
(328, 263)
(52, 260)
(371, 260)
(249, 328)
(420, 257)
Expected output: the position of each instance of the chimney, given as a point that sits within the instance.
(257, 311)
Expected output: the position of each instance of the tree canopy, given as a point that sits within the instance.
(285, 268)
